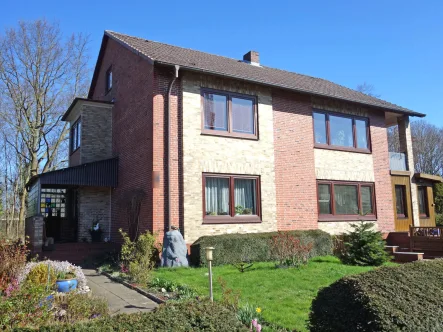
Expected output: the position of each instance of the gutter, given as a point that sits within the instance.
(168, 135)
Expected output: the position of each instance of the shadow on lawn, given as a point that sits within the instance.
(326, 260)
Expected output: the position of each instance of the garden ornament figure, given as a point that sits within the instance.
(174, 249)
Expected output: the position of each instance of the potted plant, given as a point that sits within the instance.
(96, 232)
(66, 282)
(239, 210)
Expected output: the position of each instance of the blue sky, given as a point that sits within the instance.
(397, 46)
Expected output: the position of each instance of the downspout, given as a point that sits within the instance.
(168, 135)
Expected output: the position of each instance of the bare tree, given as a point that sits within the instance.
(40, 73)
(427, 142)
(367, 89)
(393, 139)
(427, 145)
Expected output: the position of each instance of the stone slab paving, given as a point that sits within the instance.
(120, 298)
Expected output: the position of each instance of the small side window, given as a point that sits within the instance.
(109, 79)
(76, 135)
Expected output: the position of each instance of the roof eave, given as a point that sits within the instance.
(78, 99)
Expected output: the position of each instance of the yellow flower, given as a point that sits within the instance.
(258, 310)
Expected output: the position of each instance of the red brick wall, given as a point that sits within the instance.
(139, 139)
(132, 131)
(383, 187)
(162, 79)
(294, 162)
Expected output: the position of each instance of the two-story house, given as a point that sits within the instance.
(173, 136)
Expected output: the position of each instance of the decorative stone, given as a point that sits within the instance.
(174, 249)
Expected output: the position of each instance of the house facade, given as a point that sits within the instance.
(171, 136)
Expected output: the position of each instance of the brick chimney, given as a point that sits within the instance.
(252, 57)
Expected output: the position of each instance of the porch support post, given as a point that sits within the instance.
(34, 232)
(405, 138)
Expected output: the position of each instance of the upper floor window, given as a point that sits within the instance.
(231, 198)
(229, 114)
(76, 135)
(341, 132)
(109, 79)
(346, 200)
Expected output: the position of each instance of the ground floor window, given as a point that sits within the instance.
(423, 201)
(400, 201)
(345, 200)
(231, 198)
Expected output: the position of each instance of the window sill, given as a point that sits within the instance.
(424, 217)
(209, 132)
(214, 220)
(341, 148)
(74, 151)
(346, 218)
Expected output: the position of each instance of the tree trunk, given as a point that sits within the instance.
(22, 216)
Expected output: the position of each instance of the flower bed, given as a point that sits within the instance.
(58, 268)
(30, 299)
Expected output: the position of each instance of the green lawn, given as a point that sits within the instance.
(285, 295)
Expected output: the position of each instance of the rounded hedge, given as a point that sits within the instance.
(235, 248)
(408, 297)
(172, 316)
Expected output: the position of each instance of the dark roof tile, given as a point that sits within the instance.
(219, 65)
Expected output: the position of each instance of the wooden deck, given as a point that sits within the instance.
(427, 239)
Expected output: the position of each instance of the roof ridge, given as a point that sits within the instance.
(183, 48)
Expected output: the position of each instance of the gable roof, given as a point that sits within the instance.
(192, 60)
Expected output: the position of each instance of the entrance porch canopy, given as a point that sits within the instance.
(103, 173)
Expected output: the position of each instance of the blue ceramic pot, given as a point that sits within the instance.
(65, 286)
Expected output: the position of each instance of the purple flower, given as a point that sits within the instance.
(12, 287)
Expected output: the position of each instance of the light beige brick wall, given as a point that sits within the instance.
(202, 153)
(339, 227)
(96, 134)
(405, 138)
(94, 204)
(344, 166)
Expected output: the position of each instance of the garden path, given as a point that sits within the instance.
(120, 298)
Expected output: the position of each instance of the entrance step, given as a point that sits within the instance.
(407, 256)
(391, 249)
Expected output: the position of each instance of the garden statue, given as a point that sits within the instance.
(174, 249)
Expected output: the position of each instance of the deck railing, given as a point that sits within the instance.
(426, 238)
(397, 161)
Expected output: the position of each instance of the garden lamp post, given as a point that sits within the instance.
(209, 251)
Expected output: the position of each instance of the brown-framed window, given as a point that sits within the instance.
(423, 201)
(229, 198)
(229, 114)
(338, 200)
(400, 201)
(341, 132)
(76, 131)
(108, 80)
